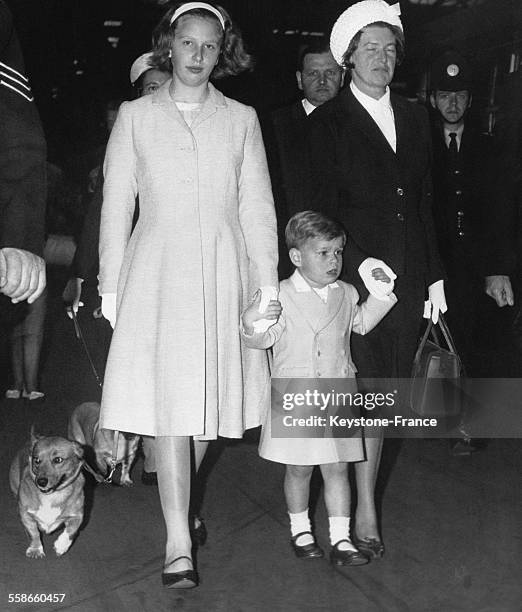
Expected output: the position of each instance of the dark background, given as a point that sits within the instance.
(78, 52)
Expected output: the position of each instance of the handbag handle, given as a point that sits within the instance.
(430, 328)
(446, 333)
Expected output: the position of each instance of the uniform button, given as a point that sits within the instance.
(318, 353)
(458, 192)
(400, 216)
(461, 233)
(460, 213)
(400, 191)
(456, 172)
(318, 373)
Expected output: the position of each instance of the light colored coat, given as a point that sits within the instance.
(204, 241)
(311, 340)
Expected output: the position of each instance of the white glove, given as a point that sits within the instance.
(108, 307)
(436, 301)
(379, 289)
(267, 294)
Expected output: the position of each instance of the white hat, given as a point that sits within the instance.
(355, 18)
(140, 65)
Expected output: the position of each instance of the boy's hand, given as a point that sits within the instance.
(252, 314)
(380, 275)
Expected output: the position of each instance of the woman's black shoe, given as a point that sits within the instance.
(185, 579)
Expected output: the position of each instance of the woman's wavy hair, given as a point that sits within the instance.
(354, 43)
(233, 58)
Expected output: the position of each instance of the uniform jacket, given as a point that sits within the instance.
(23, 188)
(382, 198)
(312, 339)
(464, 197)
(204, 241)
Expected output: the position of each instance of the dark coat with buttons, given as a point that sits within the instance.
(463, 191)
(383, 199)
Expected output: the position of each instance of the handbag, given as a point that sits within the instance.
(435, 389)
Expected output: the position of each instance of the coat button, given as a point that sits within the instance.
(400, 191)
(456, 172)
(400, 216)
(318, 353)
(458, 192)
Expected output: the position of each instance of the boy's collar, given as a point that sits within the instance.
(301, 285)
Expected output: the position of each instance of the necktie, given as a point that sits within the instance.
(453, 148)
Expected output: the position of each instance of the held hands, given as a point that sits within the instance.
(377, 277)
(22, 275)
(108, 307)
(71, 295)
(499, 288)
(436, 302)
(254, 314)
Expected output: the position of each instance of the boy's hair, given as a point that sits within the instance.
(233, 58)
(311, 224)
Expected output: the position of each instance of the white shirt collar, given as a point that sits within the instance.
(457, 130)
(369, 102)
(301, 286)
(308, 106)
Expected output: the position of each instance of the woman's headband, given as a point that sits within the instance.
(188, 6)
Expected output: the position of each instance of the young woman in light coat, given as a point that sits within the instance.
(205, 241)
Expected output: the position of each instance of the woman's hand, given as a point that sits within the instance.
(436, 302)
(108, 307)
(71, 295)
(253, 313)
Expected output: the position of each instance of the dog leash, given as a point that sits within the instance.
(79, 335)
(113, 462)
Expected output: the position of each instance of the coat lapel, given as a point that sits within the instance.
(214, 101)
(315, 312)
(402, 131)
(364, 122)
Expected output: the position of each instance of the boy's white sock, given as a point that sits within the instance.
(300, 522)
(340, 530)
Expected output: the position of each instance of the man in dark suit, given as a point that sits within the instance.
(372, 160)
(319, 77)
(22, 176)
(465, 205)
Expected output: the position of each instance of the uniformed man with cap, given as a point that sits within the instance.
(464, 201)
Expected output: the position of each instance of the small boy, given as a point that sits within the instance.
(310, 339)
